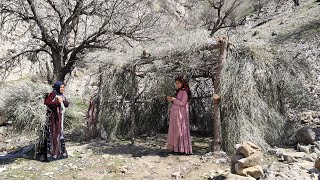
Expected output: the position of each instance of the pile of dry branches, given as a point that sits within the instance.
(23, 105)
(259, 88)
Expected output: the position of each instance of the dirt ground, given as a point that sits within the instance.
(98, 159)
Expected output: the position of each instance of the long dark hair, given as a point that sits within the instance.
(184, 87)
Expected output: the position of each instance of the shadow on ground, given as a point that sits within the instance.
(144, 146)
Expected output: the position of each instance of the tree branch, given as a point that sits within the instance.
(57, 11)
(44, 32)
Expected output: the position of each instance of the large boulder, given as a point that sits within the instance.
(253, 160)
(247, 148)
(254, 171)
(247, 160)
(234, 160)
(306, 135)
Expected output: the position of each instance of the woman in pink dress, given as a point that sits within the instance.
(178, 139)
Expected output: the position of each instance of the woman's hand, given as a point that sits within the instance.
(60, 99)
(169, 98)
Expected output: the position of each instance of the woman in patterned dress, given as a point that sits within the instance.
(53, 144)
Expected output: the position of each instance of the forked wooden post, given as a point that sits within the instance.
(223, 48)
(133, 104)
(100, 126)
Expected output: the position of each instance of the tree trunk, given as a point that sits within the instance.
(60, 70)
(57, 66)
(61, 76)
(216, 145)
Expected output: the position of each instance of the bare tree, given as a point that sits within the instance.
(221, 15)
(64, 30)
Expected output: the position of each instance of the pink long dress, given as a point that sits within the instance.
(178, 138)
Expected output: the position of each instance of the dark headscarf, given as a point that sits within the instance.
(56, 87)
(185, 87)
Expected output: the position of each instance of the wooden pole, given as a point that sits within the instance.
(99, 106)
(216, 145)
(133, 103)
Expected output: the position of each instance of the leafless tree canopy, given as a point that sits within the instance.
(220, 14)
(65, 29)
